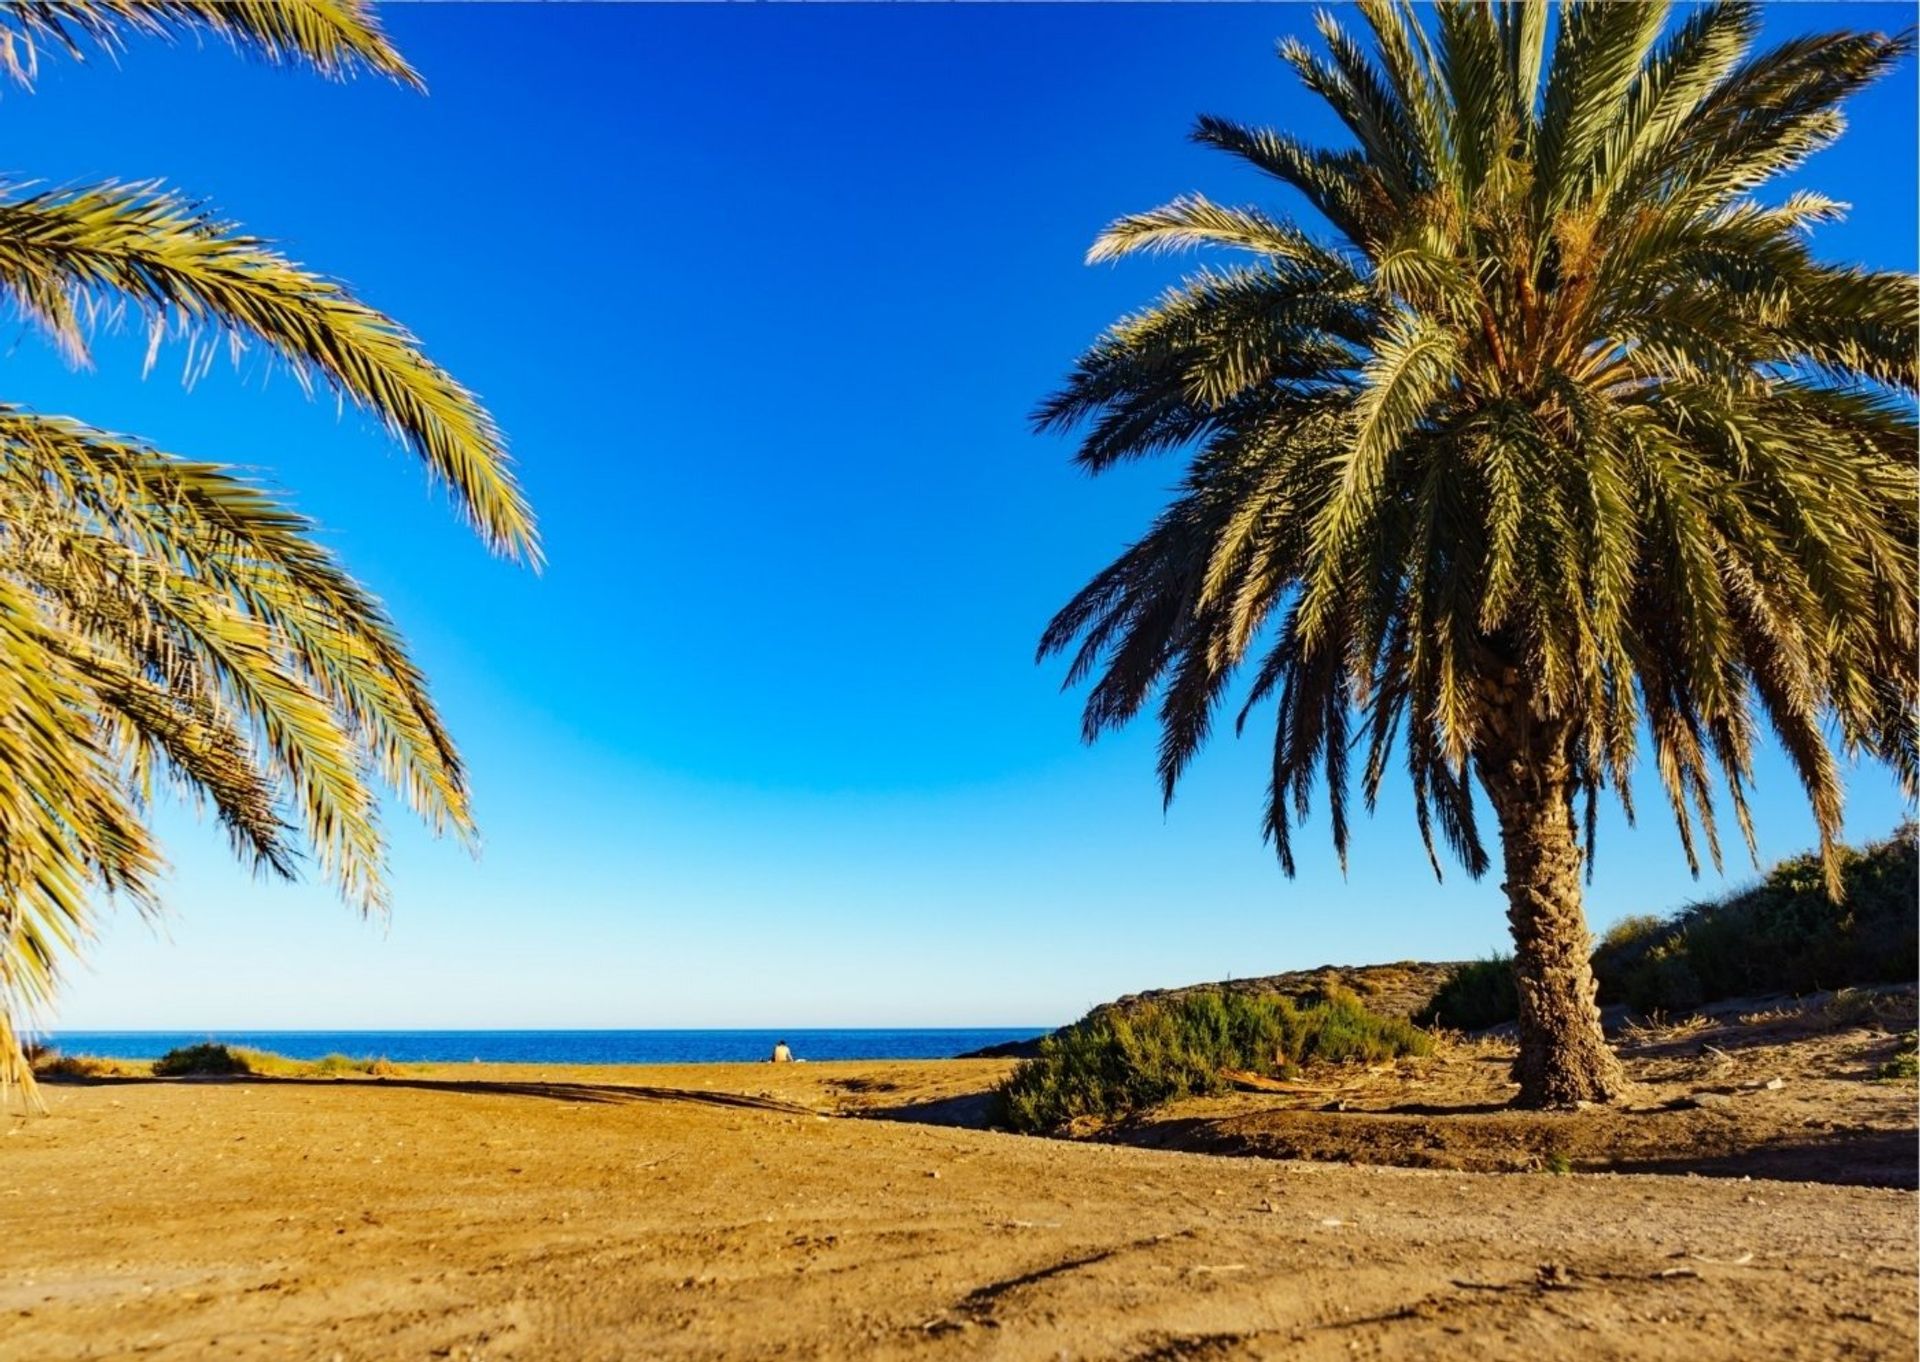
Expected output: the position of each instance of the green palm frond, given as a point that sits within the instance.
(185, 268)
(1554, 426)
(334, 37)
(197, 632)
(167, 627)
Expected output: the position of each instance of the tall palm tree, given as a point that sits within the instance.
(164, 624)
(1559, 441)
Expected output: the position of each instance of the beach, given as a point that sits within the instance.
(731, 1211)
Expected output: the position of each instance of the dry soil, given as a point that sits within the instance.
(722, 1212)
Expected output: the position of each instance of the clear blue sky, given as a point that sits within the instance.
(763, 296)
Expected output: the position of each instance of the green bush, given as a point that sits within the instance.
(1629, 941)
(1476, 995)
(208, 1057)
(211, 1057)
(1120, 1060)
(1664, 981)
(1784, 935)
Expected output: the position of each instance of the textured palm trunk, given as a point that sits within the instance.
(1564, 1057)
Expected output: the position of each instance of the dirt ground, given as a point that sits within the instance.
(1763, 1088)
(712, 1211)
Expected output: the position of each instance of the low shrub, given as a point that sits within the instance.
(52, 1064)
(1121, 1060)
(1635, 942)
(1476, 995)
(212, 1057)
(208, 1057)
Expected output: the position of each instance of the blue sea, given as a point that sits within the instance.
(555, 1047)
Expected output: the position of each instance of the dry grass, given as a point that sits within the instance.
(1661, 1030)
(53, 1064)
(1879, 1009)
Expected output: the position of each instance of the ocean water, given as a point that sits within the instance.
(556, 1047)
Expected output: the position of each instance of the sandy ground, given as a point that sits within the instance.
(714, 1212)
(1774, 1088)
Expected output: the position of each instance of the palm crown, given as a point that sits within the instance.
(162, 622)
(1560, 441)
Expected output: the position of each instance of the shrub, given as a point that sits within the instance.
(52, 1064)
(212, 1057)
(1476, 995)
(1121, 1060)
(1783, 935)
(1662, 982)
(208, 1057)
(1636, 932)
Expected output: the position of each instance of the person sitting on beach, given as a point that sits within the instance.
(781, 1054)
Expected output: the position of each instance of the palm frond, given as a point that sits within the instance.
(1560, 440)
(334, 37)
(186, 268)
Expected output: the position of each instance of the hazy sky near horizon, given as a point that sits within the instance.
(762, 296)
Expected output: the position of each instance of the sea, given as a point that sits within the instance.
(557, 1047)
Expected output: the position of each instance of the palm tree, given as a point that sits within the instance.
(164, 624)
(1558, 443)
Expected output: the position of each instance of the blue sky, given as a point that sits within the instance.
(762, 296)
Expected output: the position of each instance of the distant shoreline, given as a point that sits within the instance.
(571, 1046)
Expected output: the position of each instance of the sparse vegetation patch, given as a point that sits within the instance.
(1905, 1064)
(212, 1057)
(49, 1063)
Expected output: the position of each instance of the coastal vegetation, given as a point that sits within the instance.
(1123, 1059)
(1476, 994)
(212, 1057)
(1554, 442)
(209, 1058)
(1786, 934)
(165, 624)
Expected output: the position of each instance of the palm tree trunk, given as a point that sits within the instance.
(1564, 1056)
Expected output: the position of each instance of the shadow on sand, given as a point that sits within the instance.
(1510, 1140)
(604, 1093)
